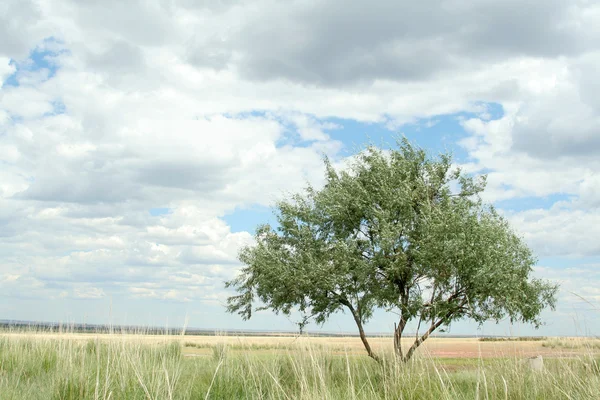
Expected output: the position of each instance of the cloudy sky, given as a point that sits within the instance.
(142, 141)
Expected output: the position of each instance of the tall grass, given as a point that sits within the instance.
(573, 343)
(35, 367)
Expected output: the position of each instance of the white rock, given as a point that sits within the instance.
(536, 363)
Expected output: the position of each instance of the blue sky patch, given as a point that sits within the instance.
(531, 202)
(248, 219)
(158, 211)
(39, 59)
(565, 262)
(439, 134)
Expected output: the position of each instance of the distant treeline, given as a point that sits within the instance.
(513, 339)
(56, 327)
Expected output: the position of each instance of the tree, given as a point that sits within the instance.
(391, 233)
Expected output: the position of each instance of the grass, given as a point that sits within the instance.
(44, 367)
(573, 343)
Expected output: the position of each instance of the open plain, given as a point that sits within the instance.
(42, 365)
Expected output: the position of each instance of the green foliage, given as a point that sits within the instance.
(400, 231)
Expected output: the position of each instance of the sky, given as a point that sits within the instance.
(141, 142)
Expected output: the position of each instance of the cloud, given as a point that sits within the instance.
(147, 293)
(26, 102)
(333, 44)
(19, 27)
(542, 146)
(112, 264)
(542, 132)
(578, 286)
(6, 68)
(309, 129)
(321, 51)
(559, 232)
(88, 293)
(120, 58)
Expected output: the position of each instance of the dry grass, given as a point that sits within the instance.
(574, 343)
(433, 347)
(38, 365)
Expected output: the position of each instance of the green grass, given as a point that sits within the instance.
(40, 368)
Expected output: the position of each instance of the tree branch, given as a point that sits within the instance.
(433, 327)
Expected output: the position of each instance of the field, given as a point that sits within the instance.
(38, 365)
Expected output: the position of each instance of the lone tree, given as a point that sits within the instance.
(400, 231)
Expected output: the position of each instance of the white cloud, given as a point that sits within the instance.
(88, 293)
(6, 68)
(160, 294)
(559, 232)
(26, 102)
(309, 128)
(22, 25)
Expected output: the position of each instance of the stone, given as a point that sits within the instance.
(536, 363)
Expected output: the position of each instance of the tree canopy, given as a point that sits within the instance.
(398, 230)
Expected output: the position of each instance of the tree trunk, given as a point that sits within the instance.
(361, 332)
(364, 340)
(398, 329)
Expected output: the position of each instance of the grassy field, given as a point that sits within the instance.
(37, 365)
